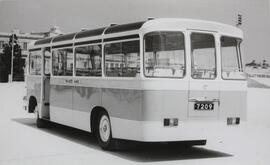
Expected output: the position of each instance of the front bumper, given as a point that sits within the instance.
(25, 103)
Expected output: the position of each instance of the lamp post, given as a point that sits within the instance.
(12, 54)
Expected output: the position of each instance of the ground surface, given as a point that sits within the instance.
(22, 143)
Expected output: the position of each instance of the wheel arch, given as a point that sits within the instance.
(94, 117)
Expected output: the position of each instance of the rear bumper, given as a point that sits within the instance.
(185, 131)
(154, 131)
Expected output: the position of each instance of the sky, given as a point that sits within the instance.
(73, 15)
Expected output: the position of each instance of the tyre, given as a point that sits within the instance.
(40, 123)
(104, 133)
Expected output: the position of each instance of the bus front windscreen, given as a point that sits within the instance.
(164, 54)
(231, 58)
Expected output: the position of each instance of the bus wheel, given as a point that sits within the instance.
(40, 122)
(104, 132)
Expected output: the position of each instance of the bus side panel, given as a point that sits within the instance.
(123, 105)
(61, 103)
(158, 105)
(233, 104)
(144, 109)
(84, 100)
(33, 84)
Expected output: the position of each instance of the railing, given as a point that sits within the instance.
(258, 75)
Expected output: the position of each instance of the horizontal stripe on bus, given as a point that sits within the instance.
(63, 45)
(132, 84)
(122, 38)
(36, 49)
(139, 84)
(88, 42)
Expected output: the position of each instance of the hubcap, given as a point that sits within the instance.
(104, 128)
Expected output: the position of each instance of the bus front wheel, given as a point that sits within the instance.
(40, 122)
(104, 132)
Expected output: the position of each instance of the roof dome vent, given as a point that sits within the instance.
(84, 29)
(113, 24)
(150, 18)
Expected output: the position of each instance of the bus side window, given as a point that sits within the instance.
(164, 54)
(62, 61)
(35, 63)
(47, 59)
(122, 59)
(203, 56)
(231, 58)
(88, 60)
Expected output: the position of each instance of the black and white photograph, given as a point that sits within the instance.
(156, 82)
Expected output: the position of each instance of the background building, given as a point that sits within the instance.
(23, 39)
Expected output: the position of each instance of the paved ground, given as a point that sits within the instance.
(22, 143)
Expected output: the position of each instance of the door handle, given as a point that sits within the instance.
(76, 81)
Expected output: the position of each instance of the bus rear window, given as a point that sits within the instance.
(203, 56)
(164, 54)
(231, 59)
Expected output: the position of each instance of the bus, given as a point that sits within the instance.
(159, 80)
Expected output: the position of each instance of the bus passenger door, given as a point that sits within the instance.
(61, 86)
(203, 88)
(45, 84)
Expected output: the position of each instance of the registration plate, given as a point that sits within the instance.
(203, 106)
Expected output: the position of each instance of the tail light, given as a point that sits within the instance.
(233, 120)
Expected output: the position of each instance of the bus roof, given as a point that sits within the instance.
(43, 41)
(124, 27)
(146, 26)
(65, 37)
(90, 33)
(191, 24)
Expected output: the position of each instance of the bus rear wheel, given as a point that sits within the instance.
(104, 132)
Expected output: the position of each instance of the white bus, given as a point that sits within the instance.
(160, 80)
